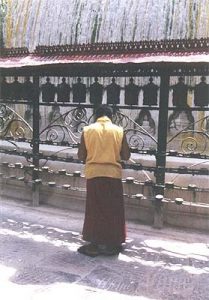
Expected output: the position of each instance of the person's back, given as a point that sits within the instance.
(103, 142)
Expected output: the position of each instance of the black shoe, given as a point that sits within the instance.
(109, 251)
(89, 250)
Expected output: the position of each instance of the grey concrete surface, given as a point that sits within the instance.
(39, 260)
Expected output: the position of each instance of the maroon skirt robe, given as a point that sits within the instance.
(104, 221)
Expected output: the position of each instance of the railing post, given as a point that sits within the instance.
(161, 149)
(35, 143)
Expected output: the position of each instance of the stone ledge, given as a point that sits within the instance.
(192, 216)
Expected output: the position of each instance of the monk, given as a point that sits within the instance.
(103, 145)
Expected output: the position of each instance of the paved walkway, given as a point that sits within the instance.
(39, 261)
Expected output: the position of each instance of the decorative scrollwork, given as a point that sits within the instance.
(66, 127)
(16, 129)
(12, 124)
(137, 135)
(79, 114)
(120, 120)
(174, 121)
(69, 126)
(193, 140)
(52, 135)
(80, 126)
(135, 140)
(73, 117)
(205, 124)
(3, 111)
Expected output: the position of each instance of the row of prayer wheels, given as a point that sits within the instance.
(28, 91)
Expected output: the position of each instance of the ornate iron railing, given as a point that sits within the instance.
(193, 141)
(67, 127)
(12, 124)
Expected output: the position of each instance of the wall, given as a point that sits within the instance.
(42, 22)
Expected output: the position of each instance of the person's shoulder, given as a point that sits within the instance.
(116, 127)
(90, 126)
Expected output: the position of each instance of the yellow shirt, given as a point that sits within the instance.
(103, 142)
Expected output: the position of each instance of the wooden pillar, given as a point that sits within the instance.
(161, 150)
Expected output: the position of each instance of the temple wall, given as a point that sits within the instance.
(28, 23)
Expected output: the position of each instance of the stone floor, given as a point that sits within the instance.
(38, 260)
